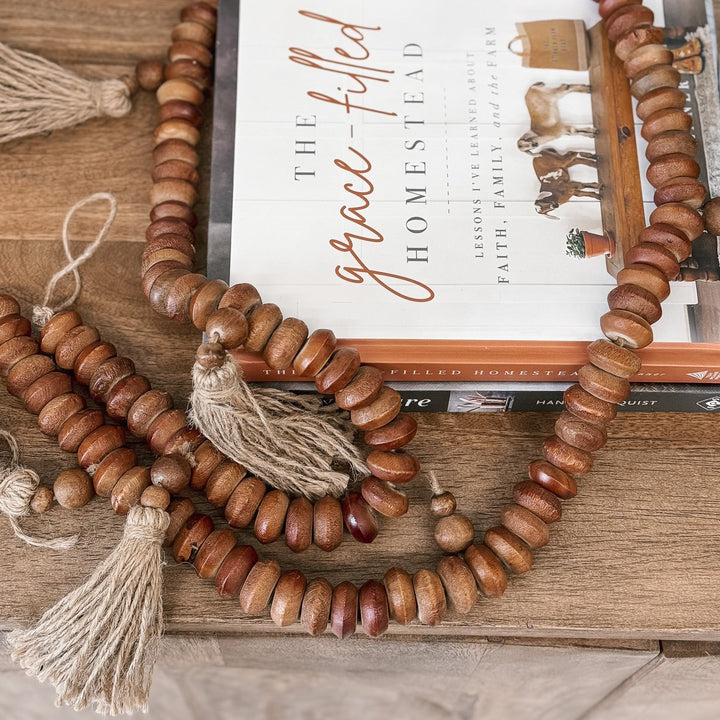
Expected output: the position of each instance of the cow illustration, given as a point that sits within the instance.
(556, 188)
(548, 160)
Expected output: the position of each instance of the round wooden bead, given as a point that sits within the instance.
(124, 394)
(607, 7)
(77, 427)
(14, 350)
(213, 552)
(287, 599)
(171, 472)
(628, 330)
(686, 190)
(261, 324)
(99, 443)
(58, 325)
(661, 98)
(553, 479)
(259, 585)
(26, 371)
(400, 595)
(566, 457)
(234, 571)
(189, 50)
(242, 296)
(202, 13)
(173, 189)
(90, 359)
(374, 615)
(526, 525)
(107, 374)
(626, 19)
(603, 384)
(613, 359)
(270, 517)
(671, 142)
(680, 216)
(285, 343)
(156, 497)
(299, 525)
(359, 518)
(645, 57)
(129, 488)
(176, 129)
(459, 583)
(711, 216)
(244, 502)
(163, 272)
(396, 467)
(662, 121)
(145, 410)
(316, 605)
(669, 237)
(170, 226)
(339, 370)
(443, 505)
(430, 597)
(191, 537)
(192, 70)
(454, 533)
(642, 35)
(44, 389)
(327, 523)
(111, 468)
(211, 355)
(394, 435)
(487, 570)
(383, 497)
(580, 433)
(42, 500)
(13, 325)
(509, 548)
(539, 501)
(205, 301)
(162, 429)
(73, 488)
(669, 167)
(222, 482)
(8, 305)
(646, 276)
(195, 32)
(652, 78)
(175, 149)
(149, 74)
(178, 298)
(361, 390)
(379, 412)
(586, 406)
(655, 255)
(207, 457)
(344, 610)
(178, 89)
(180, 511)
(315, 353)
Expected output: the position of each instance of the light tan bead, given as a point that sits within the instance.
(73, 488)
(179, 90)
(111, 468)
(270, 517)
(223, 481)
(26, 371)
(262, 323)
(315, 353)
(566, 457)
(155, 497)
(509, 548)
(176, 150)
(327, 523)
(454, 533)
(205, 301)
(316, 605)
(195, 32)
(580, 433)
(637, 300)
(14, 350)
(189, 50)
(552, 478)
(244, 502)
(586, 406)
(627, 330)
(287, 599)
(172, 189)
(614, 359)
(192, 535)
(652, 78)
(129, 488)
(430, 597)
(200, 12)
(176, 129)
(242, 296)
(361, 390)
(285, 343)
(42, 500)
(99, 443)
(44, 389)
(258, 587)
(487, 570)
(299, 525)
(684, 218)
(338, 371)
(58, 325)
(647, 276)
(459, 583)
(400, 595)
(526, 525)
(180, 511)
(207, 457)
(646, 56)
(344, 610)
(213, 552)
(374, 615)
(538, 500)
(394, 435)
(383, 497)
(77, 427)
(379, 412)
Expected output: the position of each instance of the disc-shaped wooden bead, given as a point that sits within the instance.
(580, 433)
(526, 525)
(655, 255)
(607, 7)
(327, 523)
(383, 497)
(222, 482)
(338, 371)
(454, 533)
(111, 468)
(287, 598)
(487, 570)
(400, 595)
(686, 190)
(646, 276)
(25, 372)
(628, 330)
(8, 305)
(344, 610)
(234, 571)
(227, 326)
(680, 216)
(176, 128)
(58, 325)
(374, 616)
(459, 583)
(553, 478)
(671, 142)
(145, 410)
(430, 597)
(42, 500)
(178, 89)
(538, 500)
(90, 359)
(602, 384)
(394, 435)
(191, 537)
(107, 374)
(379, 412)
(261, 324)
(202, 13)
(77, 427)
(176, 227)
(181, 110)
(189, 50)
(73, 488)
(669, 167)
(661, 98)
(173, 189)
(192, 70)
(44, 389)
(177, 302)
(171, 472)
(99, 443)
(205, 301)
(129, 488)
(642, 35)
(124, 394)
(14, 350)
(566, 457)
(195, 32)
(285, 343)
(645, 57)
(299, 525)
(13, 325)
(316, 605)
(242, 296)
(244, 502)
(586, 406)
(174, 149)
(270, 517)
(613, 359)
(509, 548)
(626, 19)
(180, 511)
(652, 78)
(396, 467)
(315, 353)
(669, 237)
(662, 121)
(162, 429)
(156, 497)
(711, 216)
(213, 552)
(359, 518)
(207, 457)
(361, 390)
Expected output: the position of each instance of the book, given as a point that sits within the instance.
(379, 170)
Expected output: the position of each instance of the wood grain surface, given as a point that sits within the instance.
(636, 555)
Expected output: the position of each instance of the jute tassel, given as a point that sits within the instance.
(276, 435)
(99, 644)
(37, 96)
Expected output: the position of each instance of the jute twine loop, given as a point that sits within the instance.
(43, 313)
(17, 489)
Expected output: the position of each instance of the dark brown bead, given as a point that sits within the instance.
(13, 325)
(128, 489)
(44, 389)
(234, 570)
(107, 374)
(207, 458)
(163, 427)
(361, 390)
(526, 525)
(205, 301)
(669, 237)
(111, 468)
(443, 504)
(191, 70)
(487, 570)
(317, 601)
(211, 355)
(614, 359)
(261, 324)
(56, 327)
(553, 479)
(177, 302)
(73, 488)
(459, 583)
(374, 615)
(580, 433)
(243, 296)
(538, 500)
(145, 410)
(161, 267)
(400, 595)
(586, 406)
(430, 597)
(608, 7)
(383, 497)
(394, 435)
(213, 552)
(191, 537)
(686, 190)
(258, 586)
(180, 110)
(315, 353)
(77, 427)
(566, 457)
(381, 411)
(628, 330)
(180, 511)
(244, 502)
(656, 255)
(327, 523)
(395, 467)
(299, 525)
(358, 518)
(99, 443)
(637, 300)
(454, 533)
(174, 149)
(285, 343)
(155, 497)
(344, 610)
(338, 371)
(149, 74)
(25, 372)
(287, 598)
(171, 472)
(227, 326)
(270, 517)
(511, 550)
(88, 361)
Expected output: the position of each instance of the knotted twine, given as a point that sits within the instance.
(37, 96)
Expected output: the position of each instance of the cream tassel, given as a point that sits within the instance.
(276, 435)
(98, 645)
(37, 96)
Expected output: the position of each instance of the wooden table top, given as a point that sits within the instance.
(636, 556)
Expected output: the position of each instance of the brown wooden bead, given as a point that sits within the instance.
(316, 605)
(169, 225)
(234, 571)
(145, 410)
(662, 121)
(258, 586)
(664, 98)
(287, 599)
(669, 167)
(285, 343)
(327, 523)
(58, 410)
(373, 604)
(359, 518)
(443, 505)
(223, 481)
(99, 443)
(161, 267)
(380, 412)
(205, 301)
(175, 149)
(538, 500)
(189, 50)
(580, 433)
(58, 325)
(171, 472)
(202, 13)
(459, 583)
(90, 358)
(111, 468)
(642, 35)
(526, 525)
(77, 427)
(26, 371)
(430, 597)
(211, 355)
(213, 552)
(602, 384)
(124, 394)
(8, 305)
(195, 32)
(394, 435)
(129, 488)
(627, 330)
(178, 89)
(671, 141)
(652, 78)
(191, 537)
(686, 190)
(107, 374)
(227, 326)
(553, 479)
(42, 500)
(73, 488)
(261, 324)
(645, 57)
(383, 497)
(635, 299)
(44, 389)
(163, 427)
(344, 610)
(361, 390)
(400, 595)
(191, 70)
(207, 458)
(625, 19)
(586, 406)
(711, 216)
(175, 169)
(646, 276)
(243, 296)
(186, 439)
(396, 467)
(684, 218)
(180, 511)
(655, 255)
(155, 497)
(669, 237)
(454, 533)
(315, 353)
(299, 525)
(566, 457)
(173, 189)
(179, 109)
(613, 359)
(509, 548)
(244, 502)
(339, 370)
(607, 7)
(176, 129)
(14, 350)
(270, 517)
(487, 570)
(149, 74)
(13, 325)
